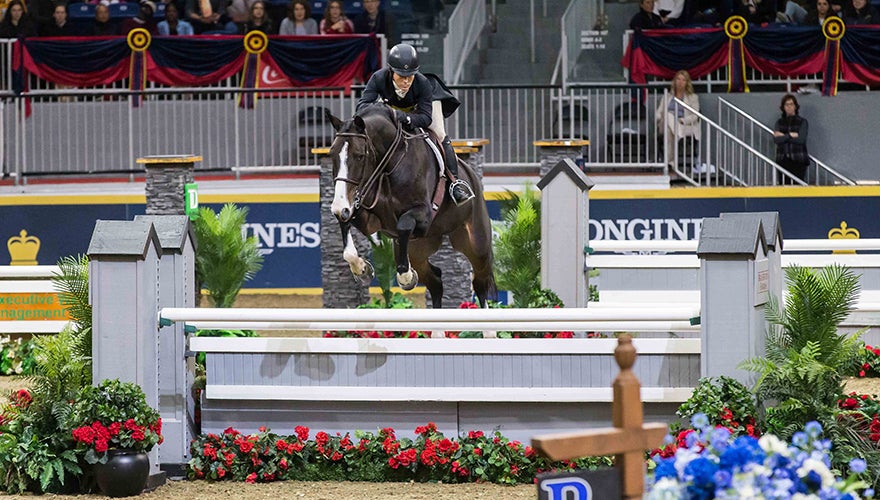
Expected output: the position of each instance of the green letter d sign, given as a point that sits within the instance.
(191, 200)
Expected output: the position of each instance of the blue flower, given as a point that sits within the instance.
(869, 493)
(701, 472)
(800, 439)
(668, 439)
(743, 450)
(813, 480)
(857, 465)
(665, 468)
(700, 421)
(723, 479)
(813, 429)
(719, 438)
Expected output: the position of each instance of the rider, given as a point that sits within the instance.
(419, 100)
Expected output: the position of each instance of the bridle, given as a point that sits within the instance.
(364, 187)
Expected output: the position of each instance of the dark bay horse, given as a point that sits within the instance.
(385, 179)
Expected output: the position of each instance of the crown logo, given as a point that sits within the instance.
(23, 249)
(843, 233)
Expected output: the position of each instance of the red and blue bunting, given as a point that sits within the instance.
(780, 50)
(327, 61)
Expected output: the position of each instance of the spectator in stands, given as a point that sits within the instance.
(40, 12)
(335, 22)
(671, 12)
(757, 11)
(646, 19)
(790, 136)
(16, 22)
(299, 20)
(103, 25)
(258, 20)
(143, 19)
(795, 12)
(860, 12)
(371, 20)
(819, 14)
(709, 12)
(209, 16)
(59, 25)
(673, 121)
(173, 25)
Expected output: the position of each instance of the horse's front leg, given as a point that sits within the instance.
(407, 277)
(360, 268)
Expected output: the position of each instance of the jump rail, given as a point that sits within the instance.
(789, 246)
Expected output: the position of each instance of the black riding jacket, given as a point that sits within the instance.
(416, 103)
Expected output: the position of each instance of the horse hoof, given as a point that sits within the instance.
(369, 273)
(406, 286)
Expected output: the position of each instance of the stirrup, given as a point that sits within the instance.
(468, 192)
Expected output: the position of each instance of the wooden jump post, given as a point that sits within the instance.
(627, 440)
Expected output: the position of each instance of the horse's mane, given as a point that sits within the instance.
(377, 108)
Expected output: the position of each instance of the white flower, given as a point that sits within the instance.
(666, 489)
(801, 496)
(772, 444)
(813, 465)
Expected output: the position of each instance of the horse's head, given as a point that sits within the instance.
(355, 153)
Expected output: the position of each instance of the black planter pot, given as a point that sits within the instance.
(125, 473)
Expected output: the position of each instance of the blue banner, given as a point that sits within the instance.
(289, 233)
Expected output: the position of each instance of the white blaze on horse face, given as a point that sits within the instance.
(350, 254)
(340, 190)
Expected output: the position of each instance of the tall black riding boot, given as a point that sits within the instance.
(459, 190)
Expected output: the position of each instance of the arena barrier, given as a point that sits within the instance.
(28, 301)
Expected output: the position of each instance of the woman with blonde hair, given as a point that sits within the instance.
(673, 121)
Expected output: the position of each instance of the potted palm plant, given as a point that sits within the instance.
(114, 428)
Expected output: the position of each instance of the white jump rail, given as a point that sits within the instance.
(690, 246)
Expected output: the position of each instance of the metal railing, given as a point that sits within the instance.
(579, 15)
(465, 26)
(760, 137)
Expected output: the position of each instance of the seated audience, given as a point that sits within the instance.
(860, 12)
(59, 25)
(173, 25)
(209, 16)
(819, 14)
(795, 12)
(371, 20)
(258, 20)
(670, 11)
(103, 25)
(299, 20)
(646, 19)
(143, 19)
(16, 21)
(335, 22)
(673, 121)
(757, 11)
(708, 12)
(790, 136)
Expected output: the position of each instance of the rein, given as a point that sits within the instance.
(365, 186)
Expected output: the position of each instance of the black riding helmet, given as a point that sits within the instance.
(403, 59)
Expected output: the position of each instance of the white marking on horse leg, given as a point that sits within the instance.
(340, 189)
(350, 254)
(406, 280)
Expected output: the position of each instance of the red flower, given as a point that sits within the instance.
(138, 435)
(84, 434)
(322, 438)
(478, 451)
(100, 445)
(390, 445)
(221, 472)
(245, 446)
(283, 463)
(230, 431)
(281, 445)
(302, 433)
(252, 478)
(336, 456)
(475, 434)
(514, 470)
(861, 373)
(848, 404)
(446, 446)
(726, 414)
(115, 427)
(22, 398)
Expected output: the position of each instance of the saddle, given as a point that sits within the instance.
(444, 177)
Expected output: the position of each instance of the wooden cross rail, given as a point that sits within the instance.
(627, 440)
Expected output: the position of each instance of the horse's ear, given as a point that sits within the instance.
(336, 122)
(359, 123)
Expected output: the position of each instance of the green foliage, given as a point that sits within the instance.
(35, 449)
(72, 284)
(385, 268)
(518, 249)
(380, 456)
(225, 259)
(16, 356)
(396, 301)
(114, 414)
(725, 401)
(200, 357)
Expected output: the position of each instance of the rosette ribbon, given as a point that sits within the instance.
(736, 28)
(255, 43)
(833, 29)
(138, 41)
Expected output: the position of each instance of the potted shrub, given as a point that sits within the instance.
(114, 428)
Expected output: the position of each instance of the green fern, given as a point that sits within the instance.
(72, 285)
(225, 259)
(518, 249)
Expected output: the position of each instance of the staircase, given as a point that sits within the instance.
(506, 55)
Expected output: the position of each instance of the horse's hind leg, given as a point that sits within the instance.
(477, 248)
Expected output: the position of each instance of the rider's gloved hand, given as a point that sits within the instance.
(403, 118)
